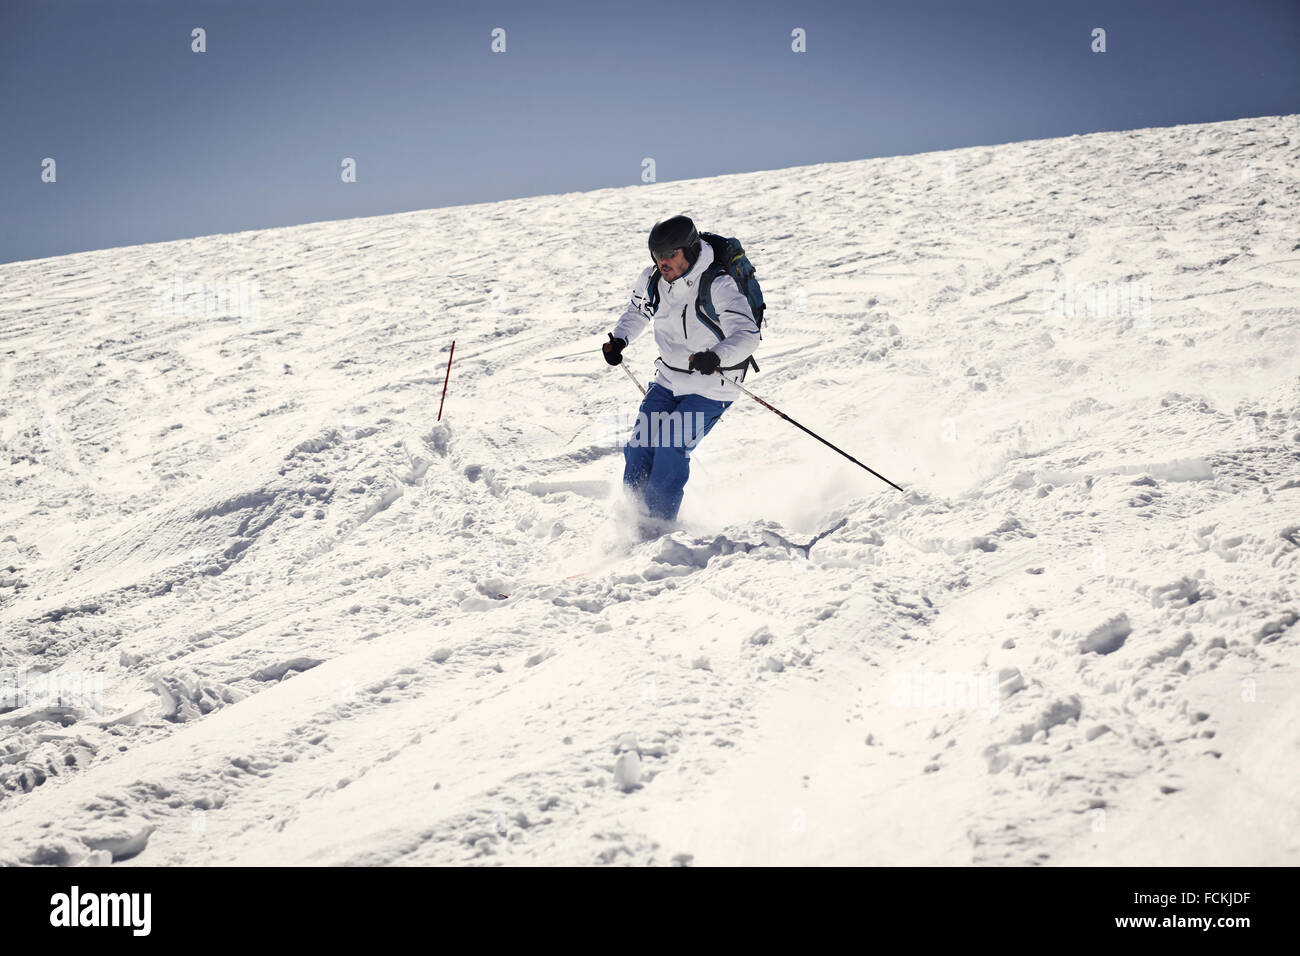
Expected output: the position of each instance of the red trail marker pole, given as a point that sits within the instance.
(446, 379)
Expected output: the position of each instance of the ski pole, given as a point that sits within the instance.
(777, 411)
(635, 380)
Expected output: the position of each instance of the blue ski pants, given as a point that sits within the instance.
(657, 457)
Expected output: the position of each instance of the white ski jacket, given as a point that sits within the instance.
(679, 332)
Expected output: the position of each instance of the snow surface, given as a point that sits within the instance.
(328, 629)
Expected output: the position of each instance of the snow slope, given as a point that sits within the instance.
(296, 620)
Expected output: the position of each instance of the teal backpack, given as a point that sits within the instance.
(728, 259)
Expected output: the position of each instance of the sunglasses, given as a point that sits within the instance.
(659, 255)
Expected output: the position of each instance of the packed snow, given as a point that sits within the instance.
(259, 607)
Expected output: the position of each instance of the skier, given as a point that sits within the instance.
(687, 396)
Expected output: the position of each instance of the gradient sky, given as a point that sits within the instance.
(154, 142)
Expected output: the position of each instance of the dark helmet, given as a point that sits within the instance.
(672, 234)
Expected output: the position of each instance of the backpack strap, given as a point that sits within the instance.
(652, 290)
(704, 309)
(707, 314)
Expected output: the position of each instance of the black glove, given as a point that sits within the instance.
(704, 362)
(613, 349)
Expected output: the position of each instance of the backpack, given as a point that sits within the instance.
(728, 259)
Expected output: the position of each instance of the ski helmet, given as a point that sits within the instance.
(672, 234)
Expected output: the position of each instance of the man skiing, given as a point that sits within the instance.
(687, 396)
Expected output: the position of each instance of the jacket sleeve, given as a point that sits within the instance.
(636, 316)
(739, 330)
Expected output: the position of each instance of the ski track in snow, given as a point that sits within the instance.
(330, 630)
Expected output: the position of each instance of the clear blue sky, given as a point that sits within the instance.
(154, 142)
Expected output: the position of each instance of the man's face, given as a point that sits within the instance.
(674, 266)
